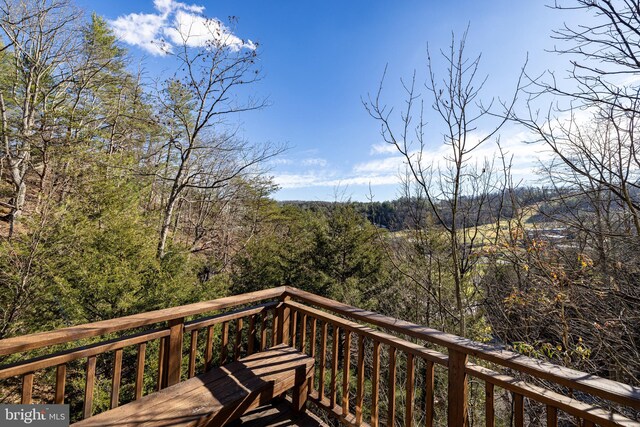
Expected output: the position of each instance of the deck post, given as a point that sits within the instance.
(300, 389)
(284, 319)
(457, 389)
(173, 352)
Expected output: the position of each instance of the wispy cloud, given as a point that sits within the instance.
(393, 164)
(314, 162)
(385, 166)
(175, 23)
(281, 161)
(307, 162)
(513, 144)
(382, 148)
(312, 179)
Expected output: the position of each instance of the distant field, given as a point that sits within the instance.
(487, 232)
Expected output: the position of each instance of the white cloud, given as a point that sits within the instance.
(314, 162)
(167, 6)
(310, 172)
(308, 162)
(142, 30)
(370, 180)
(387, 167)
(198, 31)
(383, 148)
(174, 24)
(524, 155)
(307, 180)
(392, 164)
(281, 161)
(293, 180)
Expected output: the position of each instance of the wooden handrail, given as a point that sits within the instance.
(42, 362)
(169, 352)
(225, 317)
(384, 338)
(543, 395)
(624, 394)
(88, 330)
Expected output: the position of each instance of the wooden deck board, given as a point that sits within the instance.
(215, 397)
(277, 414)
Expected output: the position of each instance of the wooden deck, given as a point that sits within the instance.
(280, 414)
(219, 395)
(363, 360)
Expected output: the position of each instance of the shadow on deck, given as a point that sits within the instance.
(278, 413)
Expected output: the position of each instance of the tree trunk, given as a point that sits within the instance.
(166, 223)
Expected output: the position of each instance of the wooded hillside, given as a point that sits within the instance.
(120, 195)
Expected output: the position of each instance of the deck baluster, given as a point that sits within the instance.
(208, 349)
(263, 331)
(346, 358)
(294, 328)
(333, 389)
(284, 321)
(552, 416)
(193, 350)
(375, 384)
(237, 346)
(116, 377)
(303, 334)
(275, 327)
(161, 363)
(392, 387)
(27, 388)
(409, 389)
(88, 388)
(518, 400)
(142, 349)
(489, 405)
(224, 345)
(61, 378)
(252, 335)
(312, 351)
(323, 359)
(360, 375)
(429, 384)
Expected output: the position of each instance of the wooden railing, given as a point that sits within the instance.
(170, 328)
(325, 314)
(370, 369)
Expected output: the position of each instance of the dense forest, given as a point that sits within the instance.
(119, 195)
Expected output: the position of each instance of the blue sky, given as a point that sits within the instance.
(320, 58)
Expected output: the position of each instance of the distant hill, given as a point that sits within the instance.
(404, 213)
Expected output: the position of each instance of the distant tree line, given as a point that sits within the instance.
(395, 215)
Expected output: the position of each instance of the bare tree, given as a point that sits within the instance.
(591, 126)
(603, 53)
(585, 289)
(456, 188)
(201, 151)
(40, 37)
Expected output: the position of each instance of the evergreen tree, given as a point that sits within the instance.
(101, 257)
